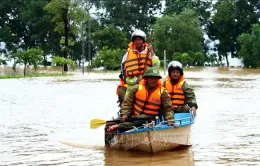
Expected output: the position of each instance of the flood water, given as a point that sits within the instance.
(45, 121)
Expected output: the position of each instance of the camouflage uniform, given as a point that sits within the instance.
(128, 103)
(190, 99)
(121, 94)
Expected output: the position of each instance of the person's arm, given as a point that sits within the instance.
(121, 93)
(126, 107)
(150, 49)
(189, 95)
(167, 109)
(156, 61)
(122, 65)
(124, 58)
(167, 106)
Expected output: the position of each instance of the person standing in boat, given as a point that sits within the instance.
(182, 95)
(147, 99)
(138, 58)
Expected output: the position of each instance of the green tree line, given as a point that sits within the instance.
(37, 29)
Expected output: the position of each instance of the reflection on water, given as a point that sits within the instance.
(45, 121)
(179, 157)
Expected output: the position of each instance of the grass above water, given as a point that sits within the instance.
(33, 75)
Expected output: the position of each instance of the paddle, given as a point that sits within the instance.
(95, 123)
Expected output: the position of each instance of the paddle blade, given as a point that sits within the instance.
(95, 123)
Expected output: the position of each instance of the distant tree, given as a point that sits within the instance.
(25, 24)
(109, 58)
(223, 28)
(129, 15)
(250, 47)
(60, 61)
(231, 19)
(202, 8)
(31, 56)
(111, 37)
(67, 16)
(2, 61)
(178, 33)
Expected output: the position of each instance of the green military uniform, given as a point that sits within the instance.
(190, 99)
(126, 107)
(121, 94)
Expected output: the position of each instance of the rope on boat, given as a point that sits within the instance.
(159, 135)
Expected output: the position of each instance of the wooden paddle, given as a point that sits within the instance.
(95, 123)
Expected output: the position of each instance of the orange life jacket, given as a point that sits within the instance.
(176, 92)
(147, 103)
(135, 61)
(121, 84)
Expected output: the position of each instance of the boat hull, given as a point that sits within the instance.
(153, 141)
(154, 138)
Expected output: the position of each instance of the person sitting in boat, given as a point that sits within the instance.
(147, 99)
(182, 95)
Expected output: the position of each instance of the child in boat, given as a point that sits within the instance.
(182, 95)
(146, 99)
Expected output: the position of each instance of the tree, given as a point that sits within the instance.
(190, 58)
(250, 47)
(60, 61)
(67, 16)
(24, 24)
(111, 37)
(2, 61)
(247, 13)
(31, 56)
(109, 58)
(184, 58)
(129, 15)
(231, 19)
(223, 27)
(201, 7)
(76, 51)
(178, 33)
(198, 58)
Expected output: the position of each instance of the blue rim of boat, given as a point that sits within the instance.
(181, 119)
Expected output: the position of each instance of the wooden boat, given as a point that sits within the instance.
(155, 136)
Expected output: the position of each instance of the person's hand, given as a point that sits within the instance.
(123, 118)
(194, 110)
(171, 123)
(138, 80)
(150, 48)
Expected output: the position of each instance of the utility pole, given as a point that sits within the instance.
(89, 49)
(83, 44)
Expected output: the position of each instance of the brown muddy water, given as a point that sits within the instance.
(45, 121)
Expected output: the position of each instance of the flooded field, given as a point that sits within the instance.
(45, 121)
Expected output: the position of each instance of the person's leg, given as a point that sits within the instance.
(185, 109)
(129, 125)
